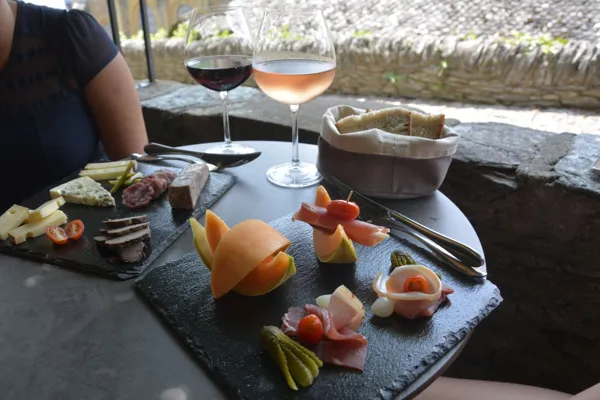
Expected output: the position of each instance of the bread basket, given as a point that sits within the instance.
(380, 164)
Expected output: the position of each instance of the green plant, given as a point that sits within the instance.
(394, 77)
(468, 36)
(544, 41)
(362, 32)
(443, 68)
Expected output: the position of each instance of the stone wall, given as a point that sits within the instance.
(530, 196)
(450, 68)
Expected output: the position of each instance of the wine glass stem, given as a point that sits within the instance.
(295, 156)
(226, 132)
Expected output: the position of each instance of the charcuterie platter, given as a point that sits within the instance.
(313, 304)
(112, 219)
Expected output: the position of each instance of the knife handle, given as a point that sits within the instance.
(446, 256)
(465, 253)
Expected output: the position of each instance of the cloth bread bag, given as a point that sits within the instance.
(382, 164)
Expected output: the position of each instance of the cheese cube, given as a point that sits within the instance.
(11, 219)
(37, 228)
(46, 209)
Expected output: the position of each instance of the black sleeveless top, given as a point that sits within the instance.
(46, 130)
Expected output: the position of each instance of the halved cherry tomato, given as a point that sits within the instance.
(416, 283)
(74, 229)
(343, 209)
(310, 329)
(57, 234)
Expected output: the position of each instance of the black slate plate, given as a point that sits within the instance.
(166, 225)
(224, 334)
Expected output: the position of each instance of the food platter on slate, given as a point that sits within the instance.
(113, 219)
(314, 303)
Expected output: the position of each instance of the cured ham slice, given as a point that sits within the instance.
(344, 354)
(360, 231)
(412, 304)
(344, 348)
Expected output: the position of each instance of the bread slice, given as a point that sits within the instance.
(393, 120)
(427, 126)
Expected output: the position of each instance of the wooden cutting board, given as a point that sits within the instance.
(166, 225)
(224, 334)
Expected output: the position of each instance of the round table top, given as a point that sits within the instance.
(72, 336)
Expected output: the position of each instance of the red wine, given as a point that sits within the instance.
(220, 73)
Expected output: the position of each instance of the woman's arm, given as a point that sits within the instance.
(115, 105)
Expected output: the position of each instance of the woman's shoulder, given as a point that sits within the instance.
(36, 20)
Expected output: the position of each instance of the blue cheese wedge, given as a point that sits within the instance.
(84, 191)
(37, 228)
(46, 209)
(12, 219)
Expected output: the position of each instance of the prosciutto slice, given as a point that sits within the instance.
(360, 231)
(345, 347)
(412, 305)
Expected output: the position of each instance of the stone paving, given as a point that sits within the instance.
(570, 19)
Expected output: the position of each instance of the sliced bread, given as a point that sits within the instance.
(427, 126)
(393, 120)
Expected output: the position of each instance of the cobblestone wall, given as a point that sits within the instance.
(451, 68)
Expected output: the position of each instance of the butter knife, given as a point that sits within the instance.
(458, 255)
(220, 160)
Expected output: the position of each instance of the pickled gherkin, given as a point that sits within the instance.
(297, 363)
(400, 258)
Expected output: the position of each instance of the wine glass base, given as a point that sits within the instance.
(294, 175)
(231, 148)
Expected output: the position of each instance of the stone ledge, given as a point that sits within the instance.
(449, 68)
(529, 194)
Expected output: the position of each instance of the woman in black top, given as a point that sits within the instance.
(67, 97)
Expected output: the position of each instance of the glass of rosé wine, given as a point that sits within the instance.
(218, 56)
(294, 62)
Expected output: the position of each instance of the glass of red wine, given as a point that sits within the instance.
(294, 62)
(218, 56)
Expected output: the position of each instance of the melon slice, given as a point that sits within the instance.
(334, 248)
(268, 275)
(241, 250)
(215, 229)
(201, 243)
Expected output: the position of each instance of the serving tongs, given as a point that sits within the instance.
(220, 160)
(454, 253)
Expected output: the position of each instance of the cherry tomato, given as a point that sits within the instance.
(57, 234)
(310, 329)
(343, 209)
(74, 229)
(416, 283)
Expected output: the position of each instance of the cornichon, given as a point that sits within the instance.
(400, 258)
(297, 363)
(123, 177)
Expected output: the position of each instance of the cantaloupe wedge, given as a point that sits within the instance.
(215, 229)
(336, 248)
(201, 243)
(269, 274)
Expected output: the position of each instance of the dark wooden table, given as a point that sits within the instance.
(64, 335)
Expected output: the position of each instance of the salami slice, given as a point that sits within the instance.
(138, 195)
(166, 174)
(159, 185)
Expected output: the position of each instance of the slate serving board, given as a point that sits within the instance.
(166, 225)
(224, 334)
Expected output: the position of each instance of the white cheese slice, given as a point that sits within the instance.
(85, 191)
(46, 209)
(103, 174)
(37, 228)
(110, 164)
(11, 219)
